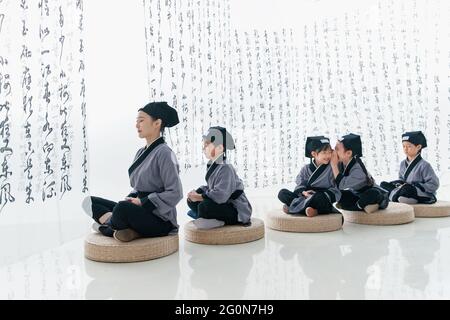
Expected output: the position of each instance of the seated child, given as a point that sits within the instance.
(316, 189)
(222, 200)
(418, 182)
(358, 188)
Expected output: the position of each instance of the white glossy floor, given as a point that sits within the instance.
(358, 262)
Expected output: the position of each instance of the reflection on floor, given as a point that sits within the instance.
(358, 262)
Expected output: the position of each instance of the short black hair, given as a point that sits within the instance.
(324, 147)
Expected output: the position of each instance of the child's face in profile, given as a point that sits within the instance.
(210, 150)
(411, 150)
(322, 157)
(343, 155)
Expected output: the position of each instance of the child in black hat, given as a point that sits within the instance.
(417, 181)
(222, 200)
(316, 189)
(359, 191)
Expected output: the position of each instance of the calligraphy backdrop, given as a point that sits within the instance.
(376, 71)
(43, 148)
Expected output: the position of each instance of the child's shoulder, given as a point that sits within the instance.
(425, 163)
(225, 167)
(424, 160)
(305, 166)
(358, 166)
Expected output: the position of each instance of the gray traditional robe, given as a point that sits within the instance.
(419, 174)
(222, 181)
(317, 178)
(354, 177)
(155, 179)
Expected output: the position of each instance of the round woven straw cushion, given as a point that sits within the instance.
(106, 249)
(232, 234)
(438, 209)
(395, 213)
(278, 220)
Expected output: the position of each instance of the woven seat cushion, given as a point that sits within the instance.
(438, 209)
(395, 213)
(230, 234)
(278, 220)
(106, 249)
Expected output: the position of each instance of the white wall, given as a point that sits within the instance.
(116, 77)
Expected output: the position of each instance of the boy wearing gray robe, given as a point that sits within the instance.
(315, 184)
(417, 182)
(222, 199)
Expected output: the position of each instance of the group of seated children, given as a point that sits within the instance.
(332, 176)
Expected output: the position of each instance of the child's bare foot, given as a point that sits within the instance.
(311, 212)
(371, 208)
(285, 209)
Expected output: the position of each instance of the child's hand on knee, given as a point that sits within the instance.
(307, 193)
(135, 201)
(197, 197)
(194, 196)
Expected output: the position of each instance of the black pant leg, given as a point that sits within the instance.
(320, 202)
(370, 196)
(348, 201)
(208, 209)
(128, 215)
(286, 196)
(106, 228)
(410, 191)
(407, 191)
(388, 186)
(100, 206)
(193, 205)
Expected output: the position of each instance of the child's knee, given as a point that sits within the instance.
(203, 208)
(193, 205)
(387, 186)
(320, 201)
(371, 196)
(407, 190)
(282, 195)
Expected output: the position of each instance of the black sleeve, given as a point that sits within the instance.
(339, 178)
(199, 190)
(132, 195)
(397, 181)
(299, 191)
(147, 204)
